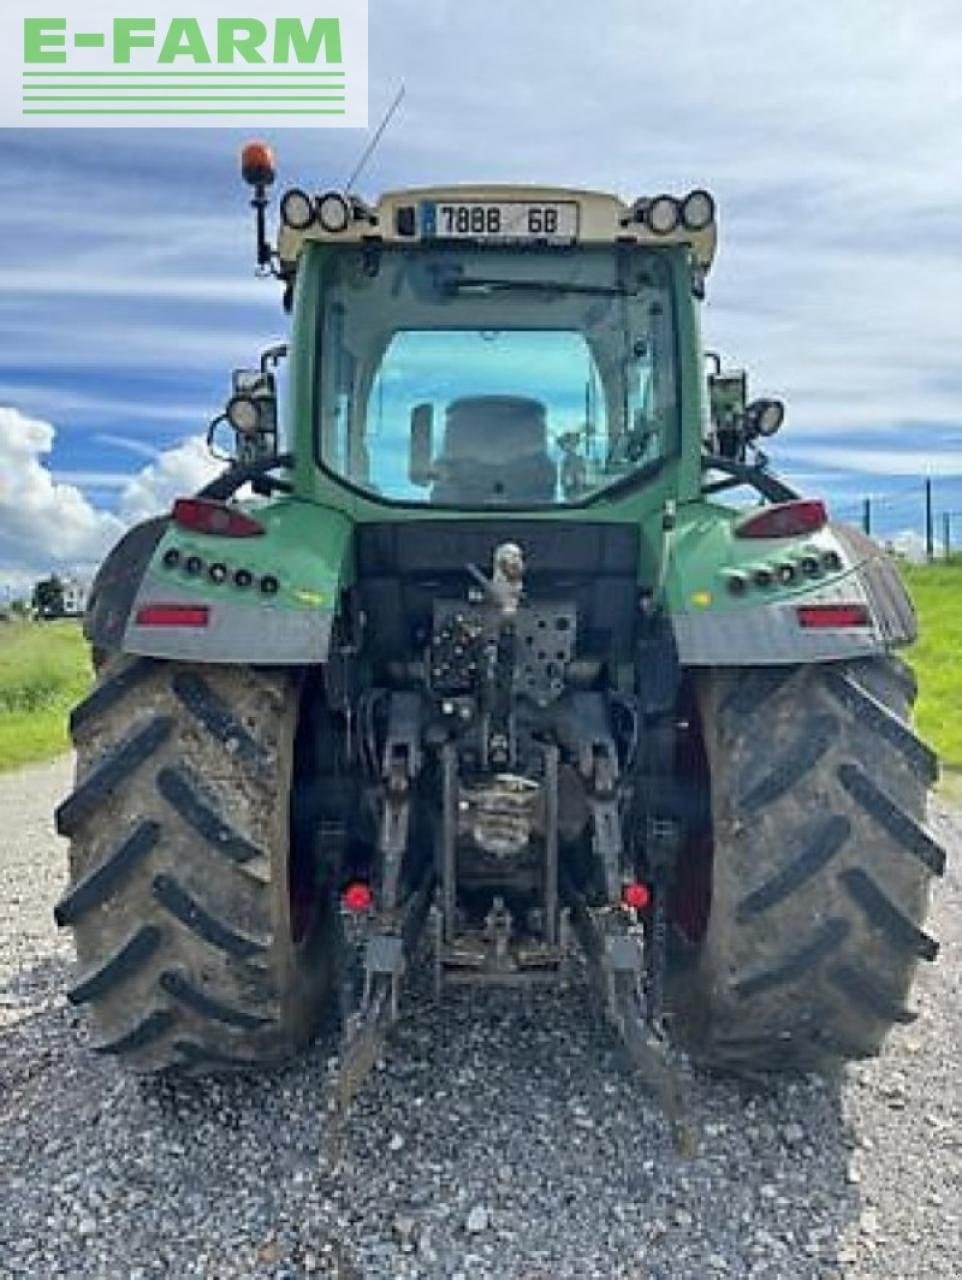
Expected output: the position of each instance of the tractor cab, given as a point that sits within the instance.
(488, 347)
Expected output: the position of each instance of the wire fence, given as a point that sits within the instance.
(922, 518)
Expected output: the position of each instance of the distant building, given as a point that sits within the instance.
(75, 594)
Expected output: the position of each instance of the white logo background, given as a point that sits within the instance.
(91, 90)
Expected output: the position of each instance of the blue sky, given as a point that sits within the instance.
(831, 136)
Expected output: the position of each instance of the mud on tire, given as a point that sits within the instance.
(821, 868)
(180, 864)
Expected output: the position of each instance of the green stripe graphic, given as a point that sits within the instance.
(258, 89)
(171, 111)
(179, 74)
(182, 97)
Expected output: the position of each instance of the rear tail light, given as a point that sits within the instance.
(814, 616)
(636, 895)
(784, 520)
(204, 515)
(357, 896)
(173, 615)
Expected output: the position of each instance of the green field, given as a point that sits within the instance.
(937, 659)
(44, 669)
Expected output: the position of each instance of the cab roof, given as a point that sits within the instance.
(497, 214)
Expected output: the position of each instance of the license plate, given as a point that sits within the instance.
(553, 220)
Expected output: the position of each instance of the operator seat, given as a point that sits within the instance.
(494, 450)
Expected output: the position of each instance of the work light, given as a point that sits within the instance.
(770, 416)
(244, 415)
(698, 210)
(333, 212)
(297, 210)
(663, 215)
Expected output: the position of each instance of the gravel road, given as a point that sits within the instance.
(500, 1139)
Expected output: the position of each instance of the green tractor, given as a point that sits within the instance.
(471, 660)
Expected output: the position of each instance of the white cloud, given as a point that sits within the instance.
(880, 462)
(47, 524)
(44, 524)
(175, 473)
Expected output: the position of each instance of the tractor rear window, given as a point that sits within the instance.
(494, 378)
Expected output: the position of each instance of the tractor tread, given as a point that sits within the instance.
(182, 792)
(864, 990)
(93, 888)
(176, 985)
(821, 846)
(110, 692)
(172, 896)
(826, 939)
(198, 1055)
(208, 709)
(881, 721)
(143, 1034)
(190, 959)
(126, 960)
(885, 916)
(110, 772)
(821, 867)
(793, 764)
(755, 690)
(895, 821)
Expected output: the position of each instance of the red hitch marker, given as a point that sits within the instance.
(204, 515)
(783, 520)
(636, 895)
(357, 896)
(815, 616)
(173, 615)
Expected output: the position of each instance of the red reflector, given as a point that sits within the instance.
(204, 515)
(636, 895)
(833, 615)
(173, 615)
(783, 520)
(358, 896)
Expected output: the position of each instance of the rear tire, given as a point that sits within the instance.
(181, 866)
(821, 865)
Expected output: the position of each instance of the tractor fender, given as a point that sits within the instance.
(766, 630)
(117, 582)
(268, 600)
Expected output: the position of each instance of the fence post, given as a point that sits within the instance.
(929, 530)
(867, 516)
(947, 535)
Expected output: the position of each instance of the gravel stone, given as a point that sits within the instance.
(477, 1220)
(513, 1109)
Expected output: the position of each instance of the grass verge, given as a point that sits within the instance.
(44, 670)
(937, 661)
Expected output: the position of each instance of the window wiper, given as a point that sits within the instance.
(491, 284)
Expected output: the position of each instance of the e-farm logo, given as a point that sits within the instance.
(110, 63)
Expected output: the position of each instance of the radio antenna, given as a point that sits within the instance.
(372, 145)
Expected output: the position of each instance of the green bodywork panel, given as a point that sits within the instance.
(702, 553)
(305, 547)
